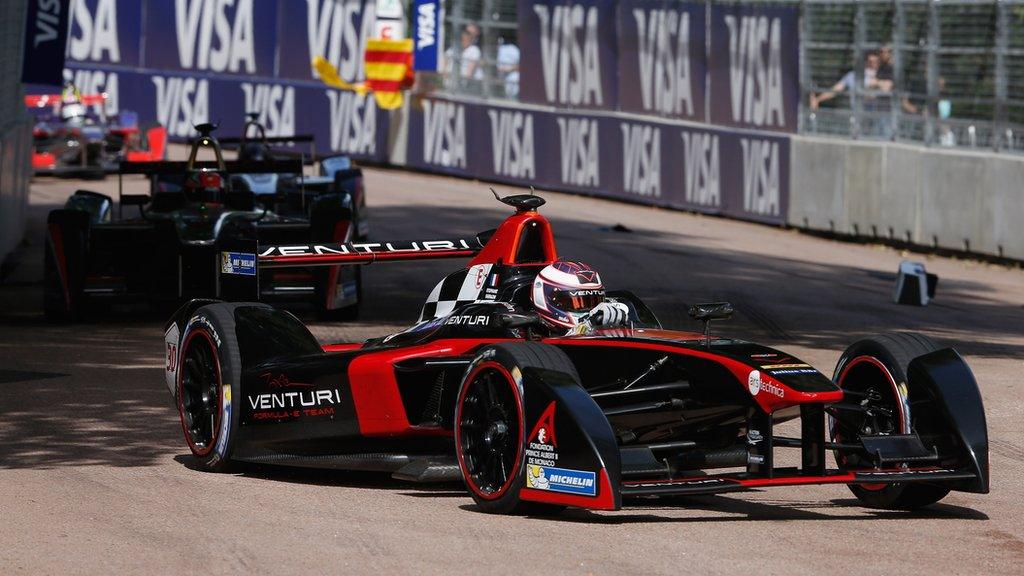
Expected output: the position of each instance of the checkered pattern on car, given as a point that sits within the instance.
(456, 289)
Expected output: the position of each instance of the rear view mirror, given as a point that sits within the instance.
(512, 320)
(711, 311)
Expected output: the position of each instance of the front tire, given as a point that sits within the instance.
(208, 385)
(490, 428)
(875, 369)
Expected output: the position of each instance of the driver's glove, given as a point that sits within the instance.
(609, 314)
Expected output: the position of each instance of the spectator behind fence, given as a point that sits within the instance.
(944, 109)
(872, 62)
(876, 97)
(508, 66)
(470, 55)
(887, 73)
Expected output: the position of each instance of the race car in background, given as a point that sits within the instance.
(534, 421)
(337, 172)
(174, 241)
(73, 136)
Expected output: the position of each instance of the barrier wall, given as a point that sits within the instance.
(185, 62)
(949, 199)
(727, 64)
(695, 167)
(188, 61)
(664, 102)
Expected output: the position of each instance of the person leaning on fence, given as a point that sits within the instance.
(886, 72)
(872, 62)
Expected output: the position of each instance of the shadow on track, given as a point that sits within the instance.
(739, 510)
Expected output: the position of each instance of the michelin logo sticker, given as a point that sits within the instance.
(541, 457)
(561, 480)
(238, 263)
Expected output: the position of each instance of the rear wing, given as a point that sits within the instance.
(297, 139)
(280, 166)
(44, 100)
(366, 252)
(240, 261)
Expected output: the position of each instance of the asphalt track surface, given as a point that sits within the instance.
(95, 476)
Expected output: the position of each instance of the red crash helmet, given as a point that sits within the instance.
(566, 291)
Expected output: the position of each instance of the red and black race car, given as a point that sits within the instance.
(74, 137)
(531, 421)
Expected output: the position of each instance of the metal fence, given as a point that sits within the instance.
(945, 73)
(938, 72)
(482, 47)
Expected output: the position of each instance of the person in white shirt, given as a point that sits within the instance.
(470, 56)
(508, 66)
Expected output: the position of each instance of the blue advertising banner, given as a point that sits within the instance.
(738, 174)
(334, 29)
(754, 66)
(661, 64)
(341, 121)
(105, 32)
(183, 62)
(428, 27)
(217, 36)
(568, 53)
(46, 34)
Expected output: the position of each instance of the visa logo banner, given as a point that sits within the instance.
(218, 36)
(754, 66)
(46, 36)
(568, 52)
(94, 34)
(428, 26)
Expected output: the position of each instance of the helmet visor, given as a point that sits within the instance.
(580, 300)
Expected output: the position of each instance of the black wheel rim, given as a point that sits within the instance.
(875, 392)
(200, 393)
(490, 434)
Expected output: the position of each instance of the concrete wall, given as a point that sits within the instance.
(951, 199)
(15, 172)
(15, 129)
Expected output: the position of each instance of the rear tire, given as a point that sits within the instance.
(208, 386)
(879, 364)
(490, 429)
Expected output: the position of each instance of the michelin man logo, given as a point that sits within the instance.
(536, 478)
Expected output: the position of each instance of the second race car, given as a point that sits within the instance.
(181, 240)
